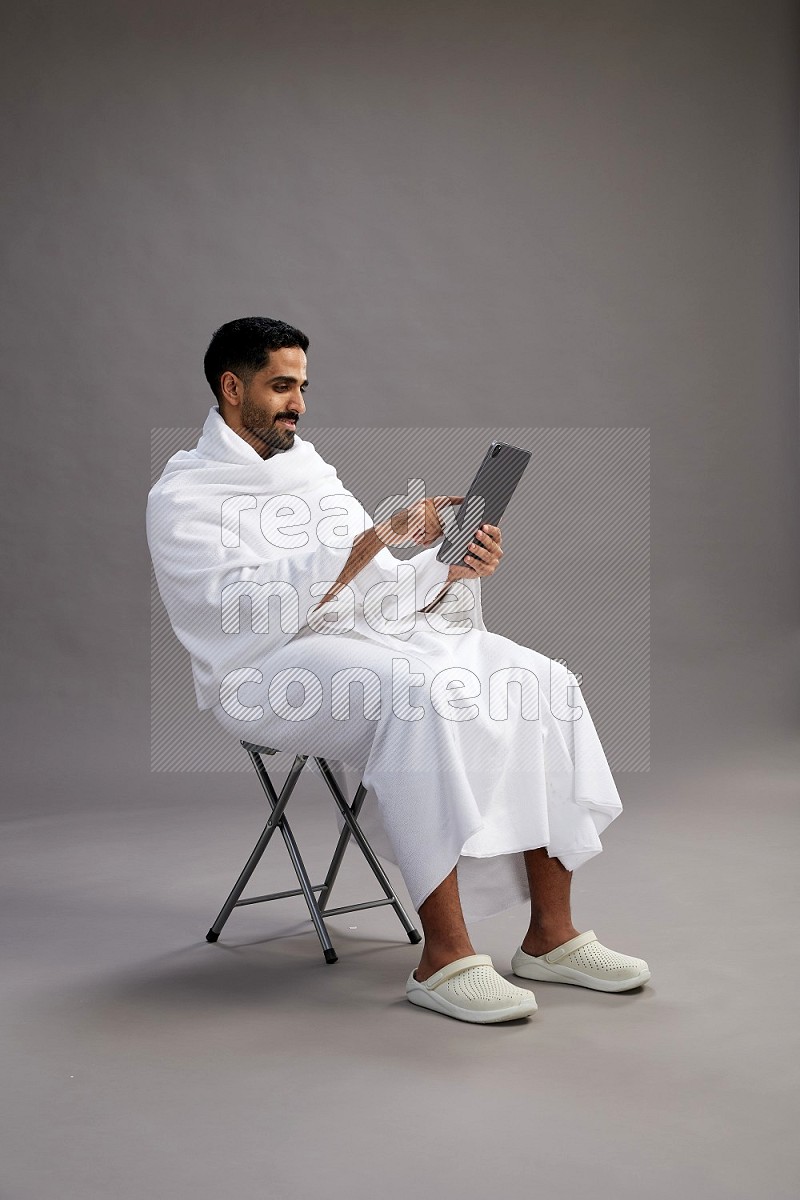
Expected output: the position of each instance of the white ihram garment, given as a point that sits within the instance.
(462, 768)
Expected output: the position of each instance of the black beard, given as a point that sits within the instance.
(272, 435)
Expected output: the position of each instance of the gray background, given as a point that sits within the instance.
(542, 215)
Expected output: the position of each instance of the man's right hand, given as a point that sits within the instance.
(420, 524)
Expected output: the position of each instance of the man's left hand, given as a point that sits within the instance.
(483, 555)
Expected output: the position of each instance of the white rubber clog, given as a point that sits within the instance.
(584, 961)
(470, 989)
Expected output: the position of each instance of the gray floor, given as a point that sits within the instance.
(141, 1061)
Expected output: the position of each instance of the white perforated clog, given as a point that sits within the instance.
(583, 960)
(470, 989)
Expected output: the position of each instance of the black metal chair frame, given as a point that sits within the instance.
(277, 820)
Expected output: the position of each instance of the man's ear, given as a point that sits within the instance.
(231, 387)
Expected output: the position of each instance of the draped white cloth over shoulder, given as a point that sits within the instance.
(461, 768)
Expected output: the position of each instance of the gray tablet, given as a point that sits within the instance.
(487, 498)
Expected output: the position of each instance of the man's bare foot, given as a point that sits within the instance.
(433, 960)
(541, 941)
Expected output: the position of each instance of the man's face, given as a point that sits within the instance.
(271, 403)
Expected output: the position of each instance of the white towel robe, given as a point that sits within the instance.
(472, 788)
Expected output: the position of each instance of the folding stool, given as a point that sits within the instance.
(277, 820)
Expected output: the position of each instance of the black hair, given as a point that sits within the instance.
(243, 346)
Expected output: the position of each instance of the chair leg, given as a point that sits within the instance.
(341, 846)
(354, 828)
(276, 821)
(308, 893)
(277, 804)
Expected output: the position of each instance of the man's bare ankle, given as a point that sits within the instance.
(545, 938)
(434, 958)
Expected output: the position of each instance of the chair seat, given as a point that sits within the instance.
(256, 749)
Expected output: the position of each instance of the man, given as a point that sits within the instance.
(480, 806)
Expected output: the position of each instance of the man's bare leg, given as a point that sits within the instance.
(442, 919)
(446, 936)
(551, 919)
